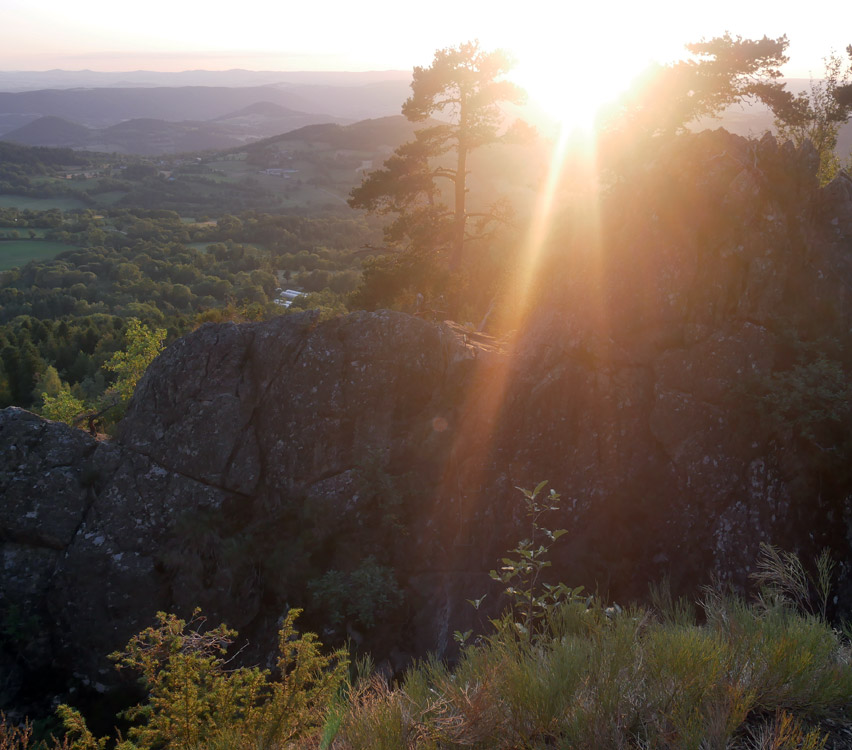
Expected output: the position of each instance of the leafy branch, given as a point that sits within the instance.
(533, 601)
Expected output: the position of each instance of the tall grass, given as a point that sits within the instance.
(751, 676)
(766, 675)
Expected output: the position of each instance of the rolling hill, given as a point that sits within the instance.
(103, 107)
(148, 136)
(369, 135)
(50, 131)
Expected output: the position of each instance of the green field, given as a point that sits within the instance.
(233, 168)
(40, 204)
(14, 253)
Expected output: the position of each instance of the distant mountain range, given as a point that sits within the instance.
(170, 119)
(153, 113)
(102, 107)
(148, 136)
(73, 79)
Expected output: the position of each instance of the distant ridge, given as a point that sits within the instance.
(154, 136)
(50, 131)
(145, 125)
(264, 109)
(366, 135)
(16, 81)
(103, 107)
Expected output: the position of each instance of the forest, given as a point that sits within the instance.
(65, 317)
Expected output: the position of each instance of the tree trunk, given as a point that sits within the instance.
(460, 217)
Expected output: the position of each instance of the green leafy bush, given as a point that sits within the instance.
(197, 699)
(359, 596)
(63, 407)
(143, 345)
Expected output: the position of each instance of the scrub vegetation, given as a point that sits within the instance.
(771, 673)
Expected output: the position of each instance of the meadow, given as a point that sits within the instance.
(40, 204)
(14, 253)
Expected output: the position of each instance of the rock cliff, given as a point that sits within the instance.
(682, 384)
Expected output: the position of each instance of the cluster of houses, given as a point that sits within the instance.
(89, 174)
(276, 172)
(285, 297)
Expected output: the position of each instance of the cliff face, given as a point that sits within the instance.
(684, 388)
(243, 445)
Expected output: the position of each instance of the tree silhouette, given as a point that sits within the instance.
(462, 90)
(816, 115)
(724, 70)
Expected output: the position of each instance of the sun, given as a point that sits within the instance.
(575, 61)
(570, 96)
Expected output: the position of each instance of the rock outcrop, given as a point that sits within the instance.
(684, 388)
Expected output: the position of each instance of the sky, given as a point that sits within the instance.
(555, 43)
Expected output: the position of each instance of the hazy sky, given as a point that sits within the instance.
(612, 39)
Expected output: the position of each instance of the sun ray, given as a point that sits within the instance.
(476, 429)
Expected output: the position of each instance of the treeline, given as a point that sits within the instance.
(147, 280)
(17, 218)
(76, 348)
(38, 172)
(19, 163)
(281, 234)
(288, 233)
(68, 313)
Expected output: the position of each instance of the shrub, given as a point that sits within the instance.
(196, 699)
(579, 675)
(360, 596)
(608, 678)
(564, 671)
(532, 600)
